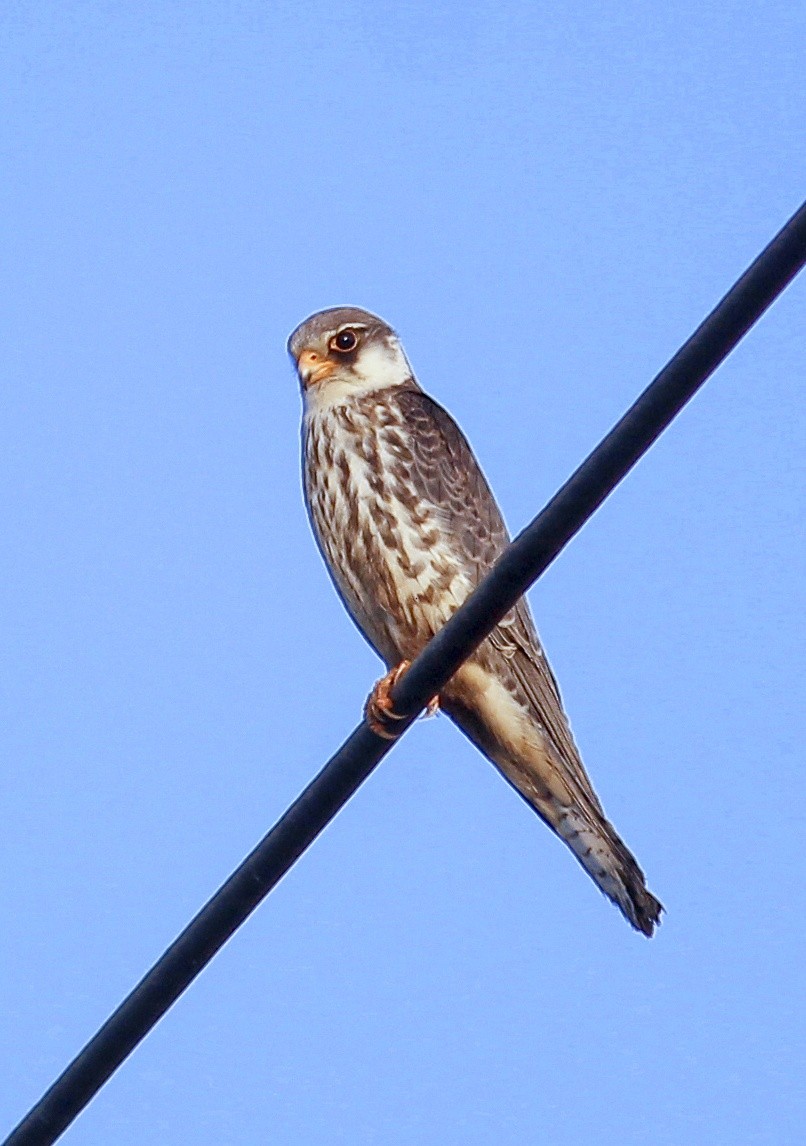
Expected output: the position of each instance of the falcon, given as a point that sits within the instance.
(407, 526)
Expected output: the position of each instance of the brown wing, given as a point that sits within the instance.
(446, 474)
(445, 470)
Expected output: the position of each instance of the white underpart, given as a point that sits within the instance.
(337, 411)
(412, 566)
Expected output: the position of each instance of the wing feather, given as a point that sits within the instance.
(446, 471)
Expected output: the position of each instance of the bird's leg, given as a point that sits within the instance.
(379, 710)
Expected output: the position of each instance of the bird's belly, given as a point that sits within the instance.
(391, 560)
(426, 582)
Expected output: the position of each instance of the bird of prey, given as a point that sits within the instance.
(407, 526)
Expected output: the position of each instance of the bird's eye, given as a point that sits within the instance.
(344, 341)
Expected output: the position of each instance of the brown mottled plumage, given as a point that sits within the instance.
(407, 526)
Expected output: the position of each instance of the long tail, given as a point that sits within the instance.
(607, 859)
(562, 796)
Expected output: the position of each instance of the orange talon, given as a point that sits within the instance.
(379, 711)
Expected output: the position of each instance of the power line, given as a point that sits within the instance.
(524, 561)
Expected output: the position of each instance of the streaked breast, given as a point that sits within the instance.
(385, 543)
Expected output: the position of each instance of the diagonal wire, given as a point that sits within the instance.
(524, 561)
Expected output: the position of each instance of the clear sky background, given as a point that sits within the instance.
(544, 200)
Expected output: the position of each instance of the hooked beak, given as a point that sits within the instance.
(313, 368)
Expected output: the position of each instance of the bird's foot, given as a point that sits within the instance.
(379, 711)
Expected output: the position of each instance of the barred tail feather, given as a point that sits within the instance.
(555, 786)
(612, 866)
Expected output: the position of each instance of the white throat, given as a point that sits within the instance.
(377, 367)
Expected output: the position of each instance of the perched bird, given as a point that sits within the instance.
(407, 526)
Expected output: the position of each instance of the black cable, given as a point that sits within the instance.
(527, 557)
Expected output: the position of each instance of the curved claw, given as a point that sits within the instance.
(379, 711)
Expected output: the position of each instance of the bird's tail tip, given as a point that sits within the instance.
(628, 890)
(645, 910)
(613, 867)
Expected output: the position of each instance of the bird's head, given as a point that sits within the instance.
(343, 352)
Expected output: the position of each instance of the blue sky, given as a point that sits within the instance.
(544, 200)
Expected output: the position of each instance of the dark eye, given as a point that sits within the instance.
(344, 341)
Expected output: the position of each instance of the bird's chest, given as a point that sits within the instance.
(383, 540)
